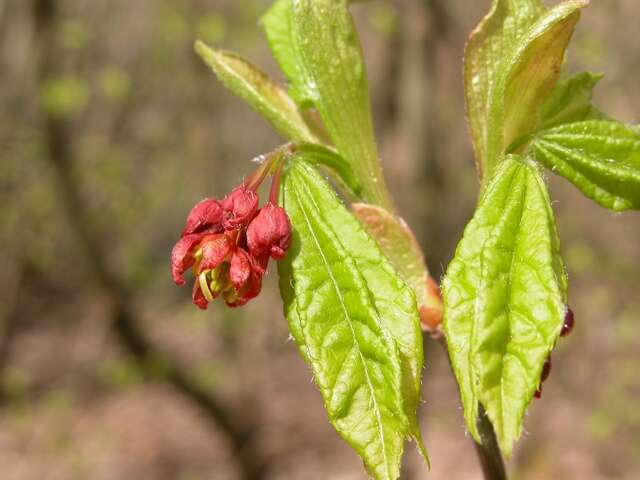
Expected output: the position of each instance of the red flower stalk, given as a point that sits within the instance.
(228, 244)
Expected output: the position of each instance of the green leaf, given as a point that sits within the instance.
(490, 45)
(508, 75)
(354, 320)
(532, 74)
(278, 28)
(255, 88)
(317, 46)
(505, 296)
(600, 157)
(570, 101)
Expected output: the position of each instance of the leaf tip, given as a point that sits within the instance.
(203, 50)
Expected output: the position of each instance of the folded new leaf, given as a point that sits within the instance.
(531, 75)
(600, 157)
(490, 45)
(505, 296)
(354, 320)
(512, 63)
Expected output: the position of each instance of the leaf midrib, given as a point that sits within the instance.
(523, 195)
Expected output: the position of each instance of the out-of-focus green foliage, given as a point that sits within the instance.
(115, 83)
(64, 96)
(74, 34)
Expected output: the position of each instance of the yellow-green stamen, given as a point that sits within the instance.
(204, 285)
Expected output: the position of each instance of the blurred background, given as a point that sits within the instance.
(111, 129)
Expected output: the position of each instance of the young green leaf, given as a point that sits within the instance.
(531, 76)
(509, 74)
(600, 157)
(492, 42)
(317, 46)
(570, 101)
(505, 296)
(278, 28)
(354, 320)
(255, 88)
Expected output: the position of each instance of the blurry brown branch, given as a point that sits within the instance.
(9, 327)
(58, 137)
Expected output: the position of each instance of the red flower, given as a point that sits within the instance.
(228, 244)
(239, 207)
(270, 232)
(245, 278)
(205, 217)
(215, 250)
(182, 256)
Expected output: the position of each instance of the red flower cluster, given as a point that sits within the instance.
(227, 244)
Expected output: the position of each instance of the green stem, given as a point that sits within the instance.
(489, 451)
(374, 186)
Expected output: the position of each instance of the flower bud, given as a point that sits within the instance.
(269, 233)
(239, 207)
(546, 370)
(205, 217)
(569, 322)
